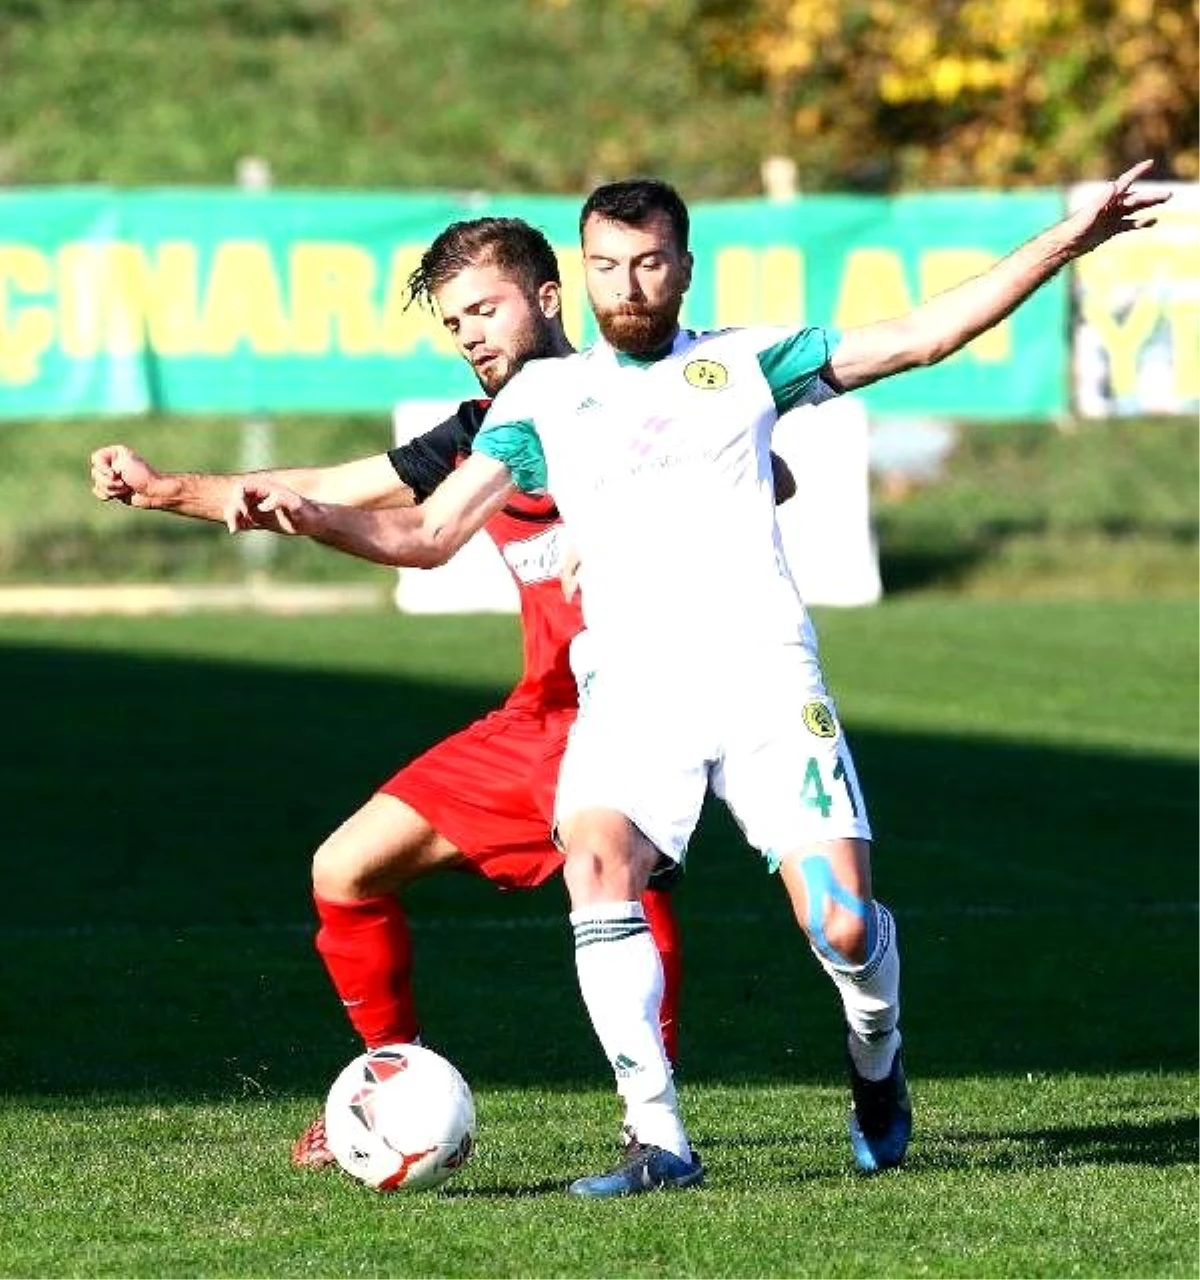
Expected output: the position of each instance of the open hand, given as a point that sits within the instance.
(257, 503)
(1113, 209)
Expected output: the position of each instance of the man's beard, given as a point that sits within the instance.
(534, 341)
(639, 330)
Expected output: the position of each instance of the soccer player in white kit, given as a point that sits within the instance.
(701, 664)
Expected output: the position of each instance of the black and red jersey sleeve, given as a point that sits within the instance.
(426, 460)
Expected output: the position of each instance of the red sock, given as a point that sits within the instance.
(367, 950)
(660, 915)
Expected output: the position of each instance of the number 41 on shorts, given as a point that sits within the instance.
(815, 790)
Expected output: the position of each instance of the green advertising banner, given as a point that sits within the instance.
(202, 301)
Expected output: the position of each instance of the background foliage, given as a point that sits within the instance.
(507, 96)
(886, 94)
(556, 95)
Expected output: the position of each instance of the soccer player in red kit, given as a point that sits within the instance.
(482, 799)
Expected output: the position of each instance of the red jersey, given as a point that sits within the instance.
(528, 533)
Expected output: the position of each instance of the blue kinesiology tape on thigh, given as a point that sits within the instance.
(820, 885)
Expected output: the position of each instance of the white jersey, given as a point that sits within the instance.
(661, 470)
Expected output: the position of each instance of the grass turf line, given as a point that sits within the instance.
(1031, 773)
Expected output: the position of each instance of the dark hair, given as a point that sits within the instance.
(636, 201)
(522, 252)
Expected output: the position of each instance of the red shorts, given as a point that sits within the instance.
(489, 789)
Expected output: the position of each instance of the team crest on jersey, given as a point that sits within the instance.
(705, 375)
(819, 720)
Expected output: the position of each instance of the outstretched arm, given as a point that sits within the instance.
(119, 474)
(947, 322)
(419, 537)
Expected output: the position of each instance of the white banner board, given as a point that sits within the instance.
(1136, 336)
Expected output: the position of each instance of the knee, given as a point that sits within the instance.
(347, 871)
(380, 849)
(334, 874)
(833, 904)
(588, 869)
(846, 935)
(606, 859)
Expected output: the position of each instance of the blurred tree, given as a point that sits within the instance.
(554, 95)
(884, 94)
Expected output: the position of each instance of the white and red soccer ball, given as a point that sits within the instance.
(400, 1118)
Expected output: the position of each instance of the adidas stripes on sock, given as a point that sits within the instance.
(621, 981)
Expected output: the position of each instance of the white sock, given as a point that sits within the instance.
(871, 1000)
(621, 981)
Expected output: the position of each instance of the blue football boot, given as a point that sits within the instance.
(644, 1168)
(880, 1120)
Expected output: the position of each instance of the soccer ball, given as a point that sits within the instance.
(400, 1117)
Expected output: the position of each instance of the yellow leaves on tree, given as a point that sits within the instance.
(959, 92)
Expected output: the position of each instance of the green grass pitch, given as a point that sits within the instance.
(166, 1028)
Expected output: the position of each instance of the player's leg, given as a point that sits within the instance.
(363, 939)
(363, 936)
(463, 804)
(829, 885)
(789, 778)
(612, 843)
(608, 863)
(854, 939)
(481, 800)
(542, 770)
(659, 906)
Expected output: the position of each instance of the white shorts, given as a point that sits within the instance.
(757, 726)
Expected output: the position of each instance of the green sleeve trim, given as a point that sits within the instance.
(792, 365)
(518, 446)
